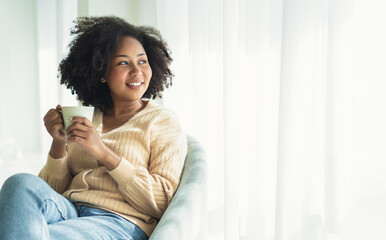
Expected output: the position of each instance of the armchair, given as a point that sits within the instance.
(185, 217)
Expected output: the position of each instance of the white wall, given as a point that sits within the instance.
(19, 88)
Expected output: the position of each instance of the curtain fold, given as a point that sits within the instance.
(302, 116)
(288, 98)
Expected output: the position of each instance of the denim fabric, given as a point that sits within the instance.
(31, 209)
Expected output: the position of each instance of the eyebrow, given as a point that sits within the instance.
(126, 56)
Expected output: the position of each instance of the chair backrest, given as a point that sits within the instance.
(186, 217)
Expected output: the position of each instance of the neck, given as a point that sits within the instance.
(125, 108)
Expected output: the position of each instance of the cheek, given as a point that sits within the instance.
(113, 80)
(115, 76)
(148, 73)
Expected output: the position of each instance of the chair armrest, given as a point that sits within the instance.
(185, 217)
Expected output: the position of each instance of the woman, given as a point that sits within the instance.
(111, 178)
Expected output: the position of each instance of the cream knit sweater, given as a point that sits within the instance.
(153, 149)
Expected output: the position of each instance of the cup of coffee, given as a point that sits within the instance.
(76, 111)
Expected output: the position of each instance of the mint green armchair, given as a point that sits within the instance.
(186, 216)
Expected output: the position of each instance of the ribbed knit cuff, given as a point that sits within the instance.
(56, 166)
(124, 173)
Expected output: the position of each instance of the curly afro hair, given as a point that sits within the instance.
(95, 42)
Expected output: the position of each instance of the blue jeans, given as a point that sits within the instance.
(31, 209)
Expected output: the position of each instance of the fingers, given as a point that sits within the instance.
(80, 133)
(83, 132)
(77, 139)
(52, 115)
(81, 128)
(53, 121)
(56, 121)
(77, 134)
(82, 120)
(56, 131)
(78, 125)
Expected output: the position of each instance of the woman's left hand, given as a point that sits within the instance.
(84, 133)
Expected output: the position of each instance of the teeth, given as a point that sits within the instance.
(134, 84)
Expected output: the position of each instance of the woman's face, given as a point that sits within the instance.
(129, 71)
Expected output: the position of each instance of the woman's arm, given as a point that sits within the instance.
(56, 172)
(151, 189)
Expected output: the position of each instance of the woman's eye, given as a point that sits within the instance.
(142, 62)
(122, 63)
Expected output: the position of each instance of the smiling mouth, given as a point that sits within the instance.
(135, 84)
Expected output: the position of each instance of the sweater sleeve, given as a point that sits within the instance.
(151, 189)
(56, 173)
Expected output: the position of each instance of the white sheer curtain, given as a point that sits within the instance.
(288, 98)
(54, 20)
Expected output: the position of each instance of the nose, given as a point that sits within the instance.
(135, 71)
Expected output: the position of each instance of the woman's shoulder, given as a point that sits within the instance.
(165, 125)
(161, 114)
(158, 109)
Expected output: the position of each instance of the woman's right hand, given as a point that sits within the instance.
(53, 121)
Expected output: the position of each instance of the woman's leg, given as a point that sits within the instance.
(27, 205)
(96, 224)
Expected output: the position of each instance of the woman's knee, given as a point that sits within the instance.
(22, 180)
(23, 187)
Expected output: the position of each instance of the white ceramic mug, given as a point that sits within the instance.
(76, 111)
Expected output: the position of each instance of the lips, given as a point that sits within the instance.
(134, 85)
